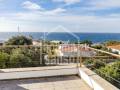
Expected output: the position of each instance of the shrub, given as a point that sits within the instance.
(112, 42)
(19, 60)
(4, 59)
(97, 46)
(88, 62)
(97, 64)
(111, 73)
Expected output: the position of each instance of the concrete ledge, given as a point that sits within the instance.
(35, 68)
(36, 72)
(95, 81)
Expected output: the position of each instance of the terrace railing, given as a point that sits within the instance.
(106, 65)
(16, 56)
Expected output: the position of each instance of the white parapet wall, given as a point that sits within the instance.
(37, 73)
(95, 81)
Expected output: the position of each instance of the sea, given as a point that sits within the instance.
(63, 36)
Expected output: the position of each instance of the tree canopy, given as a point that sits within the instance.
(112, 42)
(4, 58)
(19, 40)
(88, 42)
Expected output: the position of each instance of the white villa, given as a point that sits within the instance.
(75, 50)
(115, 48)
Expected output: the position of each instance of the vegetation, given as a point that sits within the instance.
(15, 57)
(98, 64)
(104, 48)
(107, 70)
(19, 40)
(4, 59)
(97, 46)
(86, 42)
(111, 43)
(19, 60)
(111, 73)
(94, 63)
(27, 56)
(105, 44)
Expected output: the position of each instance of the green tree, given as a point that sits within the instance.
(86, 42)
(112, 42)
(19, 60)
(4, 59)
(97, 46)
(19, 40)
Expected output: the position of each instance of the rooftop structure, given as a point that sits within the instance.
(37, 43)
(52, 78)
(49, 83)
(75, 50)
(115, 47)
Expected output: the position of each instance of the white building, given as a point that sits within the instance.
(115, 48)
(37, 43)
(75, 50)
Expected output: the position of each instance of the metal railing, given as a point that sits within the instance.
(30, 55)
(107, 66)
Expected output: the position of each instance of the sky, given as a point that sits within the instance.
(45, 15)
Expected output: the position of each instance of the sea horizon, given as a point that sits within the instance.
(64, 36)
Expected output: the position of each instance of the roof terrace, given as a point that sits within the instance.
(48, 83)
(59, 73)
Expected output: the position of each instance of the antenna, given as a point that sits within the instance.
(44, 36)
(18, 30)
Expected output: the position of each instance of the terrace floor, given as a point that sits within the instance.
(49, 83)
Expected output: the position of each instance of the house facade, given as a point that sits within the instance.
(72, 50)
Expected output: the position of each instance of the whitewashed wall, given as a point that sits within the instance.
(115, 50)
(93, 80)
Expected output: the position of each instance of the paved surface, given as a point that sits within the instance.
(51, 83)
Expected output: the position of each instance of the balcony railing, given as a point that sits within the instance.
(30, 56)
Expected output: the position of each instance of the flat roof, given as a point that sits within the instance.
(115, 47)
(48, 83)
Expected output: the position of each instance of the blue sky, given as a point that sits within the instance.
(45, 15)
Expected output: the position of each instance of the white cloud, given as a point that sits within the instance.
(38, 19)
(37, 9)
(31, 6)
(67, 1)
(55, 11)
(37, 14)
(115, 15)
(103, 4)
(37, 22)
